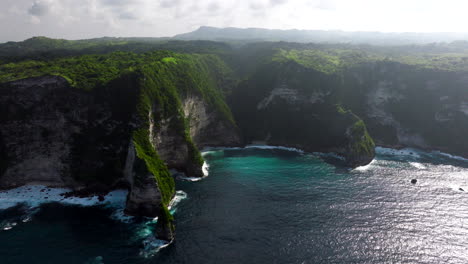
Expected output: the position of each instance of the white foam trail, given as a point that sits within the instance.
(273, 147)
(397, 152)
(179, 196)
(418, 165)
(8, 225)
(329, 155)
(119, 215)
(458, 188)
(152, 245)
(365, 167)
(192, 179)
(449, 156)
(205, 169)
(182, 176)
(211, 150)
(33, 196)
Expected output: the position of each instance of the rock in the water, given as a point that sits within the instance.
(414, 181)
(461, 189)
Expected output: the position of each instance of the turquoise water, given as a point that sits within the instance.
(271, 206)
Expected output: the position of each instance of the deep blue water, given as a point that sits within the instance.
(271, 206)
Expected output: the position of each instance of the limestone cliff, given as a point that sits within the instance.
(405, 105)
(290, 105)
(209, 128)
(40, 118)
(95, 141)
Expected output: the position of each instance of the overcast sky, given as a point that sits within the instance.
(77, 19)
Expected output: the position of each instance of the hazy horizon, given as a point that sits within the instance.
(246, 28)
(83, 19)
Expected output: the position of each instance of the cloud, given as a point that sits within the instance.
(277, 2)
(326, 5)
(38, 8)
(74, 19)
(213, 7)
(169, 3)
(128, 16)
(119, 2)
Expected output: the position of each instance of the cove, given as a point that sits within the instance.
(273, 206)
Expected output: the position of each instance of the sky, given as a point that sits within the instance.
(80, 19)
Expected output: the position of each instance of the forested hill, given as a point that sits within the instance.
(318, 36)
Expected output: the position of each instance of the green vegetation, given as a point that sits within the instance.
(341, 110)
(315, 59)
(146, 152)
(338, 58)
(165, 78)
(159, 81)
(42, 48)
(182, 74)
(362, 143)
(169, 60)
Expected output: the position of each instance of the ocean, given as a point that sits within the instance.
(260, 205)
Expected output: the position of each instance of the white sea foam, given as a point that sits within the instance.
(211, 150)
(415, 153)
(329, 155)
(458, 188)
(192, 179)
(119, 215)
(152, 245)
(33, 196)
(205, 169)
(398, 152)
(365, 167)
(214, 150)
(449, 156)
(179, 196)
(418, 165)
(274, 147)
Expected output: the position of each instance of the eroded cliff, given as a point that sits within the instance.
(288, 104)
(128, 131)
(405, 105)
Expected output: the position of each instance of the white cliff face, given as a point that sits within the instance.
(169, 143)
(377, 99)
(209, 128)
(292, 97)
(416, 107)
(282, 91)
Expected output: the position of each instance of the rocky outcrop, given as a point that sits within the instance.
(144, 196)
